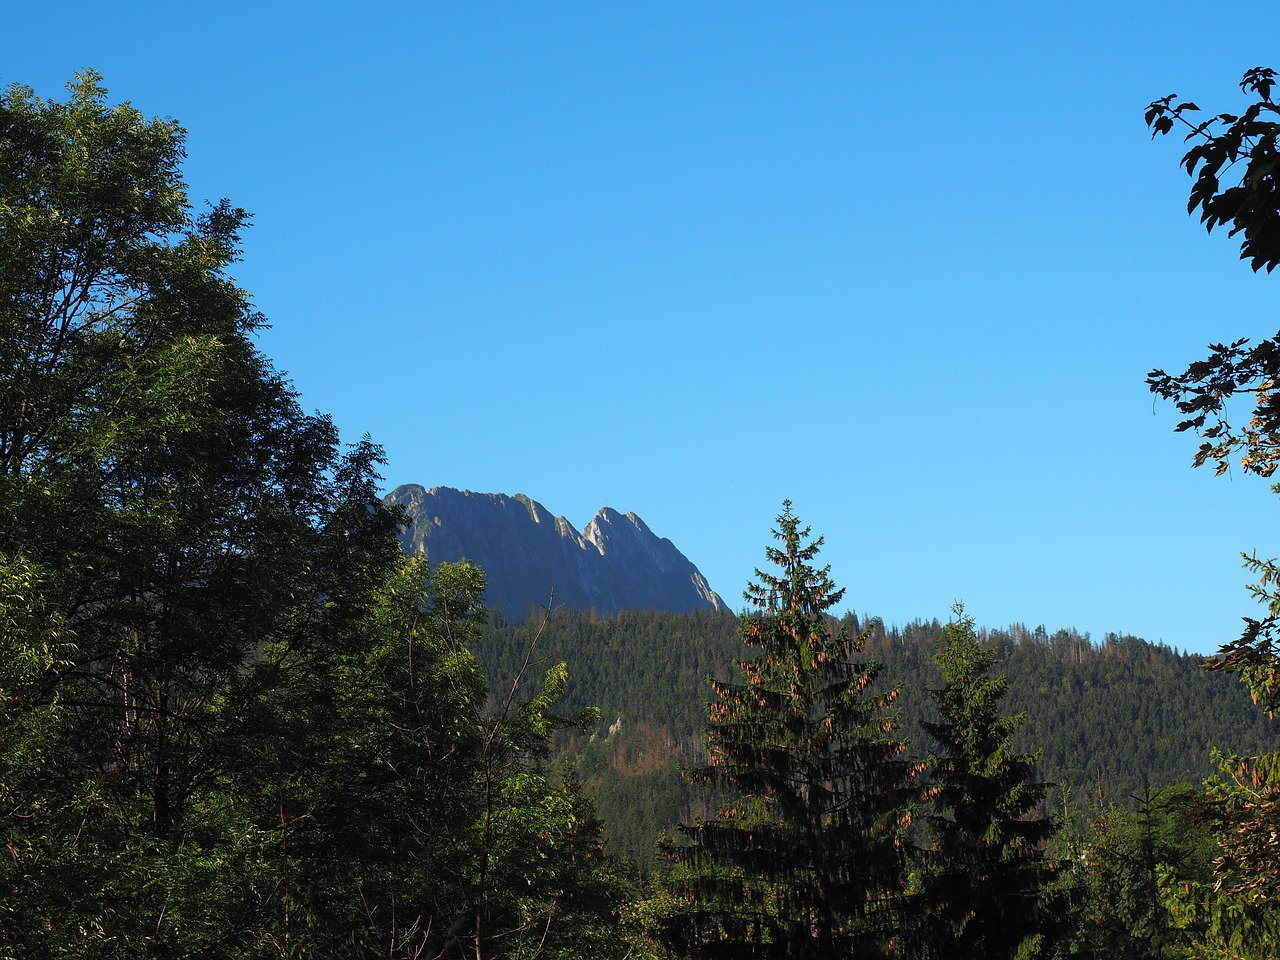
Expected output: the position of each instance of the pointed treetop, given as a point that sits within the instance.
(800, 588)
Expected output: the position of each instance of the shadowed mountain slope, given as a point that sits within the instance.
(616, 562)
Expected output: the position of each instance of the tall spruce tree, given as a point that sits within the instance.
(805, 858)
(986, 869)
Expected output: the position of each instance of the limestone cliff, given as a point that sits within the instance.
(616, 563)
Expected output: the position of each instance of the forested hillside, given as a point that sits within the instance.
(1106, 717)
(236, 720)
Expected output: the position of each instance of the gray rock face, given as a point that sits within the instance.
(616, 563)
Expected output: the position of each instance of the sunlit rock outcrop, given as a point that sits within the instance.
(616, 563)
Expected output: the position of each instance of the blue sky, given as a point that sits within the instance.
(906, 265)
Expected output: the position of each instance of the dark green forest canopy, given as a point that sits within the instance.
(1102, 715)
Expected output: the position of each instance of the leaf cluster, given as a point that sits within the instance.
(1235, 162)
(235, 720)
(1239, 909)
(1250, 202)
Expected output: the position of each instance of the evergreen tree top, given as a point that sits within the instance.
(799, 588)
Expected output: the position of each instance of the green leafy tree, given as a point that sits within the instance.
(357, 743)
(1244, 149)
(1233, 160)
(400, 816)
(986, 872)
(1215, 925)
(533, 875)
(160, 491)
(1136, 879)
(235, 720)
(806, 857)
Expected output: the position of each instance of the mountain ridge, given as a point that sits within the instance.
(532, 558)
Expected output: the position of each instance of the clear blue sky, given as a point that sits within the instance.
(906, 265)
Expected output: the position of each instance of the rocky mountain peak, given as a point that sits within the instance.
(529, 556)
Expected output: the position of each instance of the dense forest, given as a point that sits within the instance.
(1107, 719)
(236, 720)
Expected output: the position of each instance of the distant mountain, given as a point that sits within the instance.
(616, 563)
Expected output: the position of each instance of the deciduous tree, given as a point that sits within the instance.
(235, 720)
(1244, 150)
(161, 493)
(1235, 162)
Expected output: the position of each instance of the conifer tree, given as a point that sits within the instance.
(805, 858)
(987, 863)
